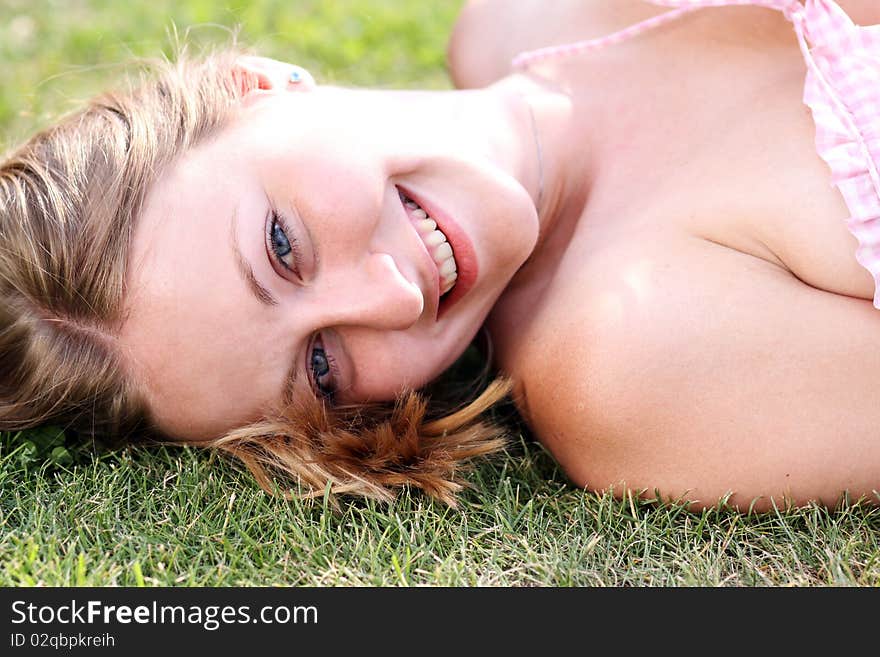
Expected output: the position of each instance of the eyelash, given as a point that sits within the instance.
(274, 221)
(327, 392)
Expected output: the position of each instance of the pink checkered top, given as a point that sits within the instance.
(842, 89)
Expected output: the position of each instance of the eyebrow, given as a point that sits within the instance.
(246, 271)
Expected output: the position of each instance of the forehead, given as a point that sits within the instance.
(195, 335)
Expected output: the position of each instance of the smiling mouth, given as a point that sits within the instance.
(435, 242)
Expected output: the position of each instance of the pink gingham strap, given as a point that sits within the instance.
(842, 89)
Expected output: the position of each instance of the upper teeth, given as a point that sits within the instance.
(438, 247)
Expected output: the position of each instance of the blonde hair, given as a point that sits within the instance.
(69, 198)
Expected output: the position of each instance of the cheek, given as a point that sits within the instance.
(511, 227)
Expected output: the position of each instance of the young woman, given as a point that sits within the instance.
(671, 235)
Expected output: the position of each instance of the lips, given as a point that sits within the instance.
(459, 254)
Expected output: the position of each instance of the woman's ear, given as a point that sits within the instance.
(259, 76)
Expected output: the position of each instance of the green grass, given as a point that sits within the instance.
(58, 52)
(180, 517)
(176, 516)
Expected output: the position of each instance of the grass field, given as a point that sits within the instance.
(172, 516)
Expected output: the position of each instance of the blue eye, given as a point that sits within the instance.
(284, 248)
(280, 241)
(321, 365)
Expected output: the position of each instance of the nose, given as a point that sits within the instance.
(372, 293)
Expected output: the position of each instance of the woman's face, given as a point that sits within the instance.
(290, 254)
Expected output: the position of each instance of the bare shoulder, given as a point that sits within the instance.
(862, 12)
(477, 53)
(488, 34)
(699, 371)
